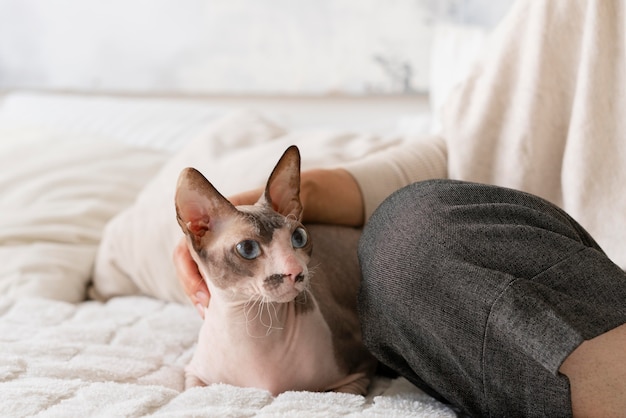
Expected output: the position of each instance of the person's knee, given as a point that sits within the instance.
(403, 248)
(402, 224)
(396, 238)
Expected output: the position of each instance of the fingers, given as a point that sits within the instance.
(189, 276)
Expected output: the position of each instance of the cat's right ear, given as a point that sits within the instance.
(282, 192)
(199, 206)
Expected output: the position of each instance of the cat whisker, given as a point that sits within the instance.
(270, 326)
(313, 269)
(253, 302)
(311, 275)
(276, 316)
(249, 306)
(262, 306)
(259, 309)
(304, 299)
(266, 305)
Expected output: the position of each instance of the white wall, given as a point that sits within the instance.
(222, 46)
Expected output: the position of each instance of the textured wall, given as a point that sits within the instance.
(222, 46)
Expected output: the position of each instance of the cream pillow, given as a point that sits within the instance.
(236, 154)
(57, 195)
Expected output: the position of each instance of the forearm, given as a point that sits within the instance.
(331, 196)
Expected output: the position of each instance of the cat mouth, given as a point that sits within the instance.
(286, 297)
(287, 294)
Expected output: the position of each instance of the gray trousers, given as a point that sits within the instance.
(477, 294)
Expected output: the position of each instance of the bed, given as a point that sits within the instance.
(87, 184)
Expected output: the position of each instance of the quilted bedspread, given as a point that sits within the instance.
(125, 358)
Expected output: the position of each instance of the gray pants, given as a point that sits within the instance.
(477, 294)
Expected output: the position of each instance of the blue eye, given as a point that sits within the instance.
(299, 238)
(248, 249)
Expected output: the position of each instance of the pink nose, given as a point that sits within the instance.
(294, 277)
(292, 269)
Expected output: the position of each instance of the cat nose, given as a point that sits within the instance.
(294, 277)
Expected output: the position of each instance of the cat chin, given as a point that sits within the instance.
(285, 297)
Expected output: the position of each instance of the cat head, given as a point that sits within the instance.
(257, 252)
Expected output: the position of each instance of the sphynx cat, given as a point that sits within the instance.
(281, 317)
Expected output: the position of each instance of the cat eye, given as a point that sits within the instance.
(299, 238)
(248, 249)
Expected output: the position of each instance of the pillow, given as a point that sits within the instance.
(57, 195)
(238, 153)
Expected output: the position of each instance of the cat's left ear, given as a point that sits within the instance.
(282, 192)
(200, 208)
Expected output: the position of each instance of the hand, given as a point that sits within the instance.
(189, 276)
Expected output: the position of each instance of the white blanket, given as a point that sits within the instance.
(125, 358)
